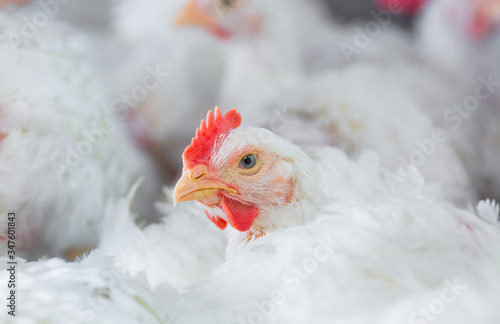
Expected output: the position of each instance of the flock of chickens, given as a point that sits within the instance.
(354, 182)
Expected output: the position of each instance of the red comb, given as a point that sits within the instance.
(208, 135)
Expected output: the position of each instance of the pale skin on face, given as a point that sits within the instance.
(268, 184)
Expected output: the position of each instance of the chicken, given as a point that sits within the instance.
(252, 49)
(248, 177)
(63, 153)
(254, 188)
(266, 50)
(460, 38)
(90, 290)
(87, 19)
(86, 14)
(191, 65)
(356, 250)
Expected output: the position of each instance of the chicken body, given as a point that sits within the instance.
(461, 38)
(266, 51)
(191, 64)
(90, 290)
(252, 179)
(63, 152)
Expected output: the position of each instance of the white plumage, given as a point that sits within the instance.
(444, 38)
(383, 108)
(192, 62)
(64, 154)
(372, 255)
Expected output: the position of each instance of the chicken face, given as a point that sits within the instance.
(242, 176)
(223, 18)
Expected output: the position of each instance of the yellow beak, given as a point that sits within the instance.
(194, 15)
(188, 188)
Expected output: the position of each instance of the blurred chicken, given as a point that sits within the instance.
(462, 38)
(191, 66)
(91, 290)
(86, 14)
(63, 153)
(266, 50)
(331, 243)
(245, 68)
(90, 20)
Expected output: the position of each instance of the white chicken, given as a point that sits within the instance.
(63, 153)
(192, 64)
(91, 290)
(462, 38)
(267, 50)
(90, 14)
(354, 249)
(222, 170)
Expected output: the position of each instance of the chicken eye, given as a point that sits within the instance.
(248, 161)
(228, 4)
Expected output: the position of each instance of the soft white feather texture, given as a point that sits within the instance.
(372, 255)
(443, 40)
(179, 250)
(192, 61)
(91, 290)
(382, 108)
(50, 106)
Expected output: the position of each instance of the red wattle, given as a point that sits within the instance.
(239, 215)
(219, 222)
(220, 33)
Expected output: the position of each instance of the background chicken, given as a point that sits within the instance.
(462, 38)
(63, 152)
(266, 50)
(192, 62)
